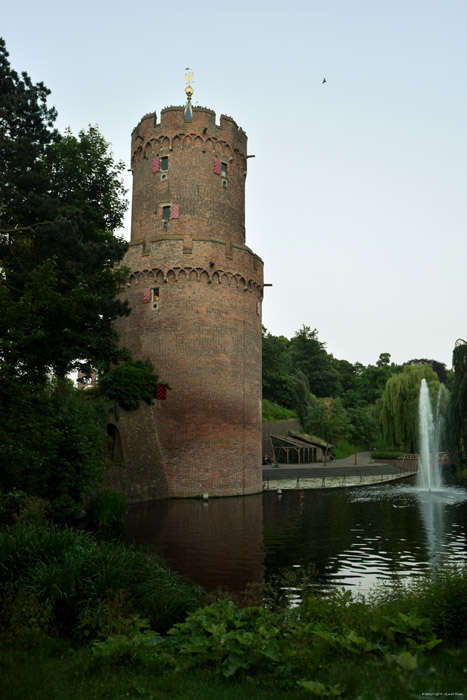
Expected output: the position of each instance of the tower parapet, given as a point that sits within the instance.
(189, 176)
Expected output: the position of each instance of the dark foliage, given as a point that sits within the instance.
(61, 201)
(457, 416)
(278, 384)
(53, 444)
(439, 368)
(308, 354)
(129, 384)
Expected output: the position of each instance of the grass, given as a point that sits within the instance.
(57, 671)
(80, 586)
(107, 508)
(345, 449)
(272, 411)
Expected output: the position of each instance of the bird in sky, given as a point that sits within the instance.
(324, 81)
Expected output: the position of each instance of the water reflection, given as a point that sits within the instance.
(351, 537)
(216, 543)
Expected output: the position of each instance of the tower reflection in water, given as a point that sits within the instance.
(345, 537)
(215, 543)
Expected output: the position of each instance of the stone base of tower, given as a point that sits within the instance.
(140, 470)
(137, 466)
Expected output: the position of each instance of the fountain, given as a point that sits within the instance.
(429, 473)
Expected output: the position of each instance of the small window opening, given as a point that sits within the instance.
(224, 169)
(166, 213)
(155, 293)
(164, 163)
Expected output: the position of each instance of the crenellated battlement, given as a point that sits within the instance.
(203, 126)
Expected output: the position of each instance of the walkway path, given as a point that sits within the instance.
(340, 472)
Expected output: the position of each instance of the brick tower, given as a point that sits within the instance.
(195, 291)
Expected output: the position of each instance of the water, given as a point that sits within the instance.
(347, 537)
(351, 538)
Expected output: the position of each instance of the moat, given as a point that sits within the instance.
(346, 537)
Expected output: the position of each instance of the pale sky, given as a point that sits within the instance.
(356, 199)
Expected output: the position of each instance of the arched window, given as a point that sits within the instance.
(114, 447)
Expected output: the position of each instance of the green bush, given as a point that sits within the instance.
(443, 598)
(53, 445)
(107, 508)
(86, 581)
(129, 384)
(387, 454)
(272, 411)
(219, 637)
(17, 506)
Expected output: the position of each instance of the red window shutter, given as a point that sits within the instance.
(217, 167)
(161, 392)
(156, 165)
(146, 296)
(175, 211)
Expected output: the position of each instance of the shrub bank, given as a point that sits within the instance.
(80, 587)
(400, 642)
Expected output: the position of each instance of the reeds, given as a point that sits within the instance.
(107, 508)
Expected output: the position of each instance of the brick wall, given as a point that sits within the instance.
(203, 336)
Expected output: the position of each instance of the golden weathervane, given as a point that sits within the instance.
(189, 90)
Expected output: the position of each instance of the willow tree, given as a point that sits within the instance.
(398, 406)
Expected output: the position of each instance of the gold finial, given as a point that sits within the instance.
(188, 79)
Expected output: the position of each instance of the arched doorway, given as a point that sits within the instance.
(114, 446)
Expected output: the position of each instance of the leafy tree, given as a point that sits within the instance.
(53, 444)
(26, 130)
(398, 406)
(327, 420)
(457, 414)
(363, 427)
(439, 368)
(61, 201)
(309, 355)
(302, 399)
(278, 383)
(59, 283)
(371, 380)
(347, 373)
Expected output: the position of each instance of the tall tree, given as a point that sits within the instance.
(278, 383)
(61, 202)
(363, 427)
(59, 282)
(457, 414)
(371, 380)
(327, 420)
(398, 406)
(302, 399)
(439, 368)
(309, 356)
(26, 130)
